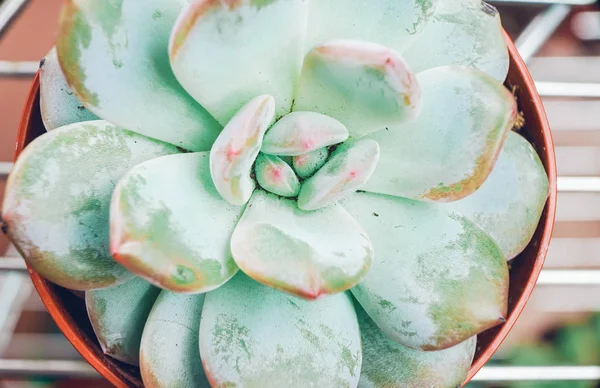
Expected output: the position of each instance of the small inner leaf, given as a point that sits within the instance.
(235, 150)
(308, 164)
(364, 85)
(301, 132)
(347, 170)
(276, 176)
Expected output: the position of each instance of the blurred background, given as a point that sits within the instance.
(556, 342)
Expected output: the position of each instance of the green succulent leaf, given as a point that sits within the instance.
(118, 315)
(235, 150)
(57, 200)
(299, 133)
(450, 149)
(227, 52)
(395, 24)
(438, 279)
(169, 353)
(364, 85)
(58, 104)
(276, 176)
(304, 253)
(389, 364)
(509, 204)
(115, 57)
(348, 169)
(308, 164)
(462, 32)
(255, 336)
(170, 226)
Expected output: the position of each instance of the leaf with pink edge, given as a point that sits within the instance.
(304, 253)
(169, 225)
(348, 169)
(365, 86)
(255, 336)
(56, 204)
(509, 204)
(302, 132)
(437, 280)
(450, 149)
(118, 315)
(115, 58)
(225, 53)
(235, 150)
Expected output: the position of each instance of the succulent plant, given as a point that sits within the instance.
(355, 159)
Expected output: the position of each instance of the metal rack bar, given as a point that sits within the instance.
(540, 29)
(9, 11)
(5, 168)
(46, 368)
(546, 2)
(568, 89)
(18, 68)
(538, 373)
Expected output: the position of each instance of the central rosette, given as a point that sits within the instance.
(304, 154)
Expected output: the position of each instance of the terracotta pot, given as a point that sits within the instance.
(69, 311)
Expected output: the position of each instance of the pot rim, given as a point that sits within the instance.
(86, 348)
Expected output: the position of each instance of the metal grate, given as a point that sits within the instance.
(16, 286)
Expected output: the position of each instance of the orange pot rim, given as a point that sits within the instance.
(83, 345)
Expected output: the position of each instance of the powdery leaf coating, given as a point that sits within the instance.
(256, 337)
(57, 199)
(450, 149)
(349, 168)
(308, 164)
(276, 176)
(58, 104)
(225, 53)
(308, 254)
(114, 55)
(462, 32)
(118, 315)
(395, 24)
(509, 204)
(299, 133)
(438, 279)
(235, 150)
(364, 85)
(169, 353)
(169, 225)
(389, 364)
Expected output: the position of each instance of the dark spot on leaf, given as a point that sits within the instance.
(81, 107)
(42, 62)
(3, 225)
(376, 215)
(489, 9)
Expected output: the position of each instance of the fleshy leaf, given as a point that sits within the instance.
(450, 149)
(395, 24)
(462, 32)
(510, 202)
(235, 150)
(169, 224)
(304, 253)
(347, 170)
(438, 279)
(308, 164)
(227, 52)
(57, 200)
(118, 315)
(389, 364)
(169, 354)
(364, 85)
(255, 336)
(302, 132)
(59, 105)
(115, 58)
(276, 176)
